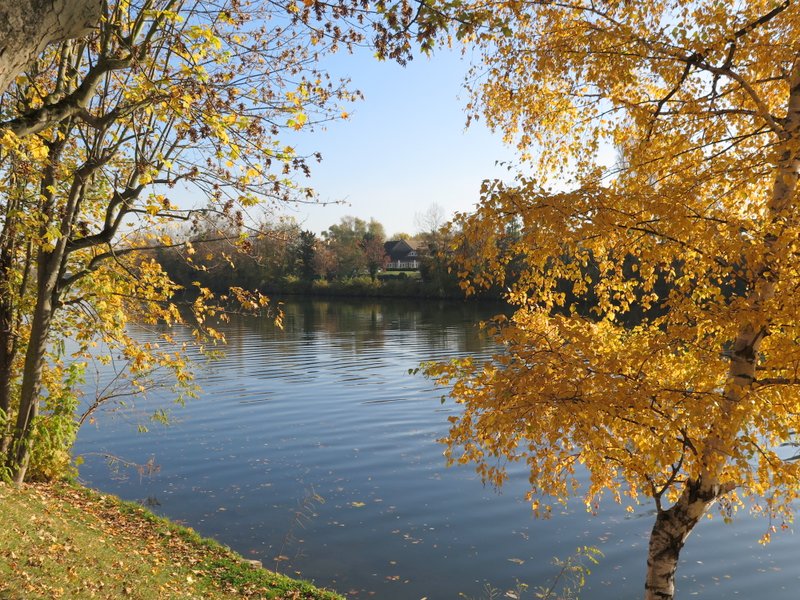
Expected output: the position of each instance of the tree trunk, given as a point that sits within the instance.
(6, 352)
(669, 534)
(49, 265)
(19, 454)
(674, 525)
(8, 342)
(6, 363)
(27, 26)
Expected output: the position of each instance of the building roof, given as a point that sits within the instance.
(400, 249)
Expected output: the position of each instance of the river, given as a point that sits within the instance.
(313, 449)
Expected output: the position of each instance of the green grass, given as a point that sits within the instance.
(409, 274)
(61, 541)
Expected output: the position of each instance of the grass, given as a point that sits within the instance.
(63, 541)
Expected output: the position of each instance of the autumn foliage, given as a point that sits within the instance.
(101, 141)
(666, 143)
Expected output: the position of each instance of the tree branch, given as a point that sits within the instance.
(38, 119)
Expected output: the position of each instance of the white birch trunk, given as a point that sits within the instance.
(674, 525)
(668, 536)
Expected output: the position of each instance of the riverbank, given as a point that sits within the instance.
(364, 287)
(64, 541)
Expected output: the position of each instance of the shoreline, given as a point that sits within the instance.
(64, 540)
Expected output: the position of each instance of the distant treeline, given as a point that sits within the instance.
(349, 259)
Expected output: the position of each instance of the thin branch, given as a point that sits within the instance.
(777, 381)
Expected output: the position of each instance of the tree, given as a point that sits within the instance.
(325, 261)
(28, 26)
(94, 138)
(214, 253)
(435, 241)
(431, 221)
(346, 240)
(343, 241)
(687, 405)
(305, 250)
(374, 253)
(275, 249)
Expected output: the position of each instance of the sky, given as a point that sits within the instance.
(404, 148)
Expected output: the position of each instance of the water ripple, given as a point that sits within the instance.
(315, 445)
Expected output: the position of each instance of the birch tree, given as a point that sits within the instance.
(681, 384)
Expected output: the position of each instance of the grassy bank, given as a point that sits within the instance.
(393, 286)
(60, 541)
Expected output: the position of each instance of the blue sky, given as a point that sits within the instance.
(404, 148)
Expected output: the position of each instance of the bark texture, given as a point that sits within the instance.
(669, 534)
(27, 26)
(674, 525)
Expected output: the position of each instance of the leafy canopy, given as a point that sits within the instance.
(100, 137)
(685, 368)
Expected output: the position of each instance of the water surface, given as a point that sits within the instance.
(314, 450)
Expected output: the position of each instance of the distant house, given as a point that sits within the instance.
(403, 255)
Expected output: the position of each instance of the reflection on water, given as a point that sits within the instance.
(313, 450)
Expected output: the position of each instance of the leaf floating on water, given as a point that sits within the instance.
(358, 504)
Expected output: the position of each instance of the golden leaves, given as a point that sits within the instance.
(633, 282)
